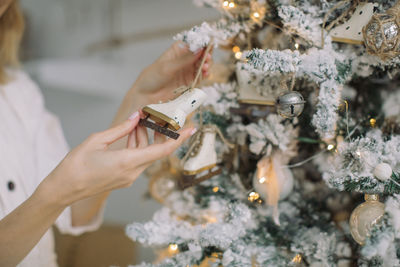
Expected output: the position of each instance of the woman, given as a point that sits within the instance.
(34, 195)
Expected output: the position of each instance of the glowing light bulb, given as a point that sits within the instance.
(372, 122)
(173, 248)
(231, 5)
(358, 153)
(256, 14)
(236, 49)
(262, 180)
(330, 147)
(238, 55)
(215, 189)
(296, 45)
(253, 196)
(225, 3)
(297, 258)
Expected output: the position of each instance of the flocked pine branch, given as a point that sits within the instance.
(353, 166)
(219, 32)
(322, 66)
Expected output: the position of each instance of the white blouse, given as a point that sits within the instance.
(31, 145)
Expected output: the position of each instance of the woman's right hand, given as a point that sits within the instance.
(92, 167)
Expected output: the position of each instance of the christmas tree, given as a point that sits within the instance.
(297, 158)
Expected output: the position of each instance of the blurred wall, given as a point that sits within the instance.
(83, 80)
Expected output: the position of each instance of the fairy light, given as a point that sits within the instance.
(238, 55)
(256, 14)
(296, 45)
(172, 248)
(330, 147)
(358, 153)
(236, 49)
(262, 180)
(253, 196)
(215, 189)
(372, 122)
(231, 5)
(297, 258)
(225, 3)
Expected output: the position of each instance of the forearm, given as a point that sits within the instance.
(85, 210)
(22, 229)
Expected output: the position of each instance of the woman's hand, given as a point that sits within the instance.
(93, 168)
(175, 67)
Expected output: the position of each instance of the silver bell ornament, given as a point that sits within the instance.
(290, 104)
(364, 217)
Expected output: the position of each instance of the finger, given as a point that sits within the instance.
(159, 138)
(117, 132)
(205, 67)
(132, 143)
(158, 151)
(142, 137)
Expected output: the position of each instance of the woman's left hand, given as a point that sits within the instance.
(175, 67)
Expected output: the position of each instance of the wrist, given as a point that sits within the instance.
(49, 193)
(137, 97)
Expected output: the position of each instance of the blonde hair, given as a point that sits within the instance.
(11, 31)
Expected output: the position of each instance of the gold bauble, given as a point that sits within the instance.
(365, 216)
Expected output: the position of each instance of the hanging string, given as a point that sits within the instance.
(197, 139)
(198, 76)
(338, 19)
(292, 82)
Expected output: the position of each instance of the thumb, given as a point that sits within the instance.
(121, 130)
(184, 58)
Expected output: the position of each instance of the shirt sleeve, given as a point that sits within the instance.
(51, 148)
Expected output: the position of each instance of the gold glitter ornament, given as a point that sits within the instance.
(381, 34)
(364, 217)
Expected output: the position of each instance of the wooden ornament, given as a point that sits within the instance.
(248, 88)
(351, 31)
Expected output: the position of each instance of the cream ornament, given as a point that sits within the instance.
(201, 156)
(273, 181)
(249, 88)
(383, 171)
(351, 31)
(174, 113)
(364, 217)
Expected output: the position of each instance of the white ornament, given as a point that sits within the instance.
(205, 159)
(174, 112)
(382, 171)
(351, 31)
(250, 87)
(284, 178)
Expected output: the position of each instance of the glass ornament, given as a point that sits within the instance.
(364, 217)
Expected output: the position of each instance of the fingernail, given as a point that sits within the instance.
(193, 131)
(134, 115)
